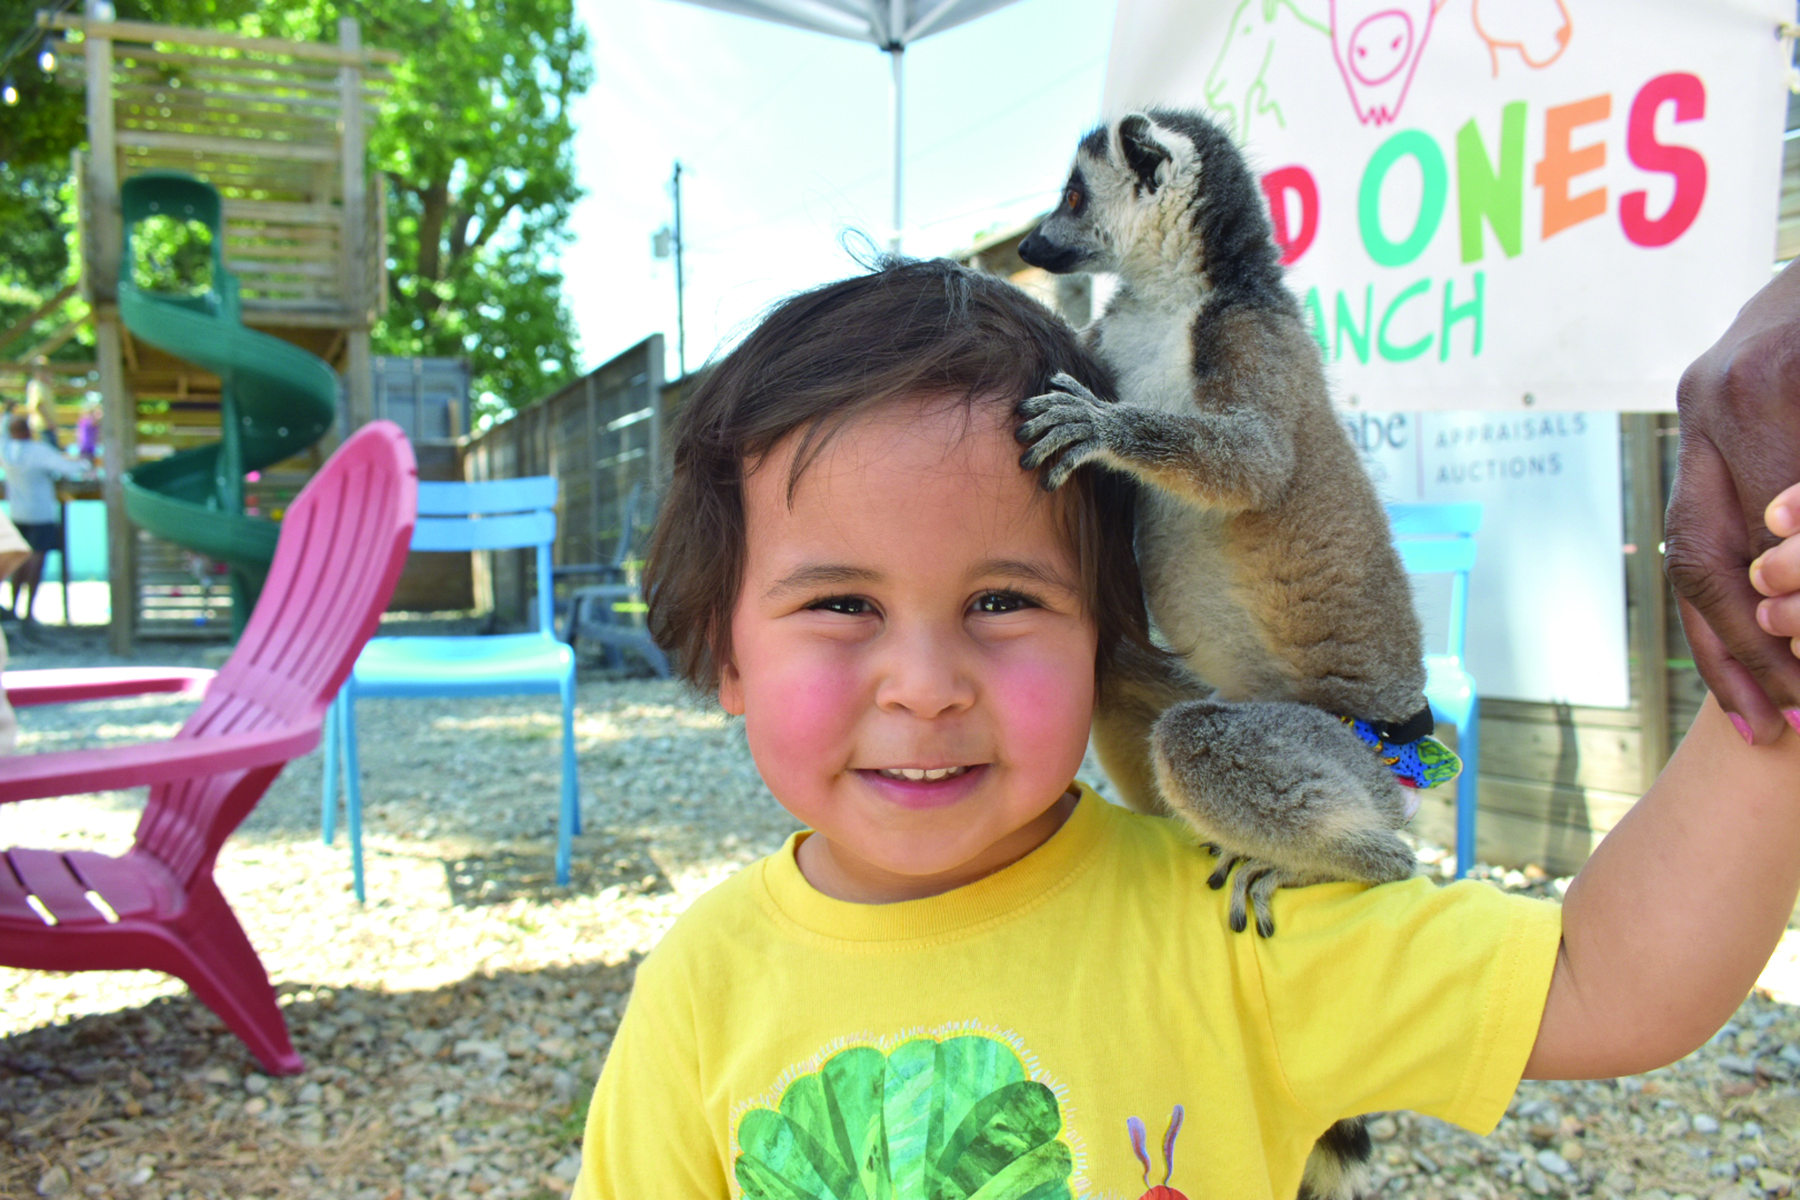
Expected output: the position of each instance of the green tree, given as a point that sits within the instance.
(37, 136)
(476, 144)
(34, 255)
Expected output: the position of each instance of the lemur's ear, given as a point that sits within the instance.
(1143, 153)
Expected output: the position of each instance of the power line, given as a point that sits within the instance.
(32, 34)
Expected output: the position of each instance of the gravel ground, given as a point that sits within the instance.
(454, 1025)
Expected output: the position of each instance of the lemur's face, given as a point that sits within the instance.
(1129, 194)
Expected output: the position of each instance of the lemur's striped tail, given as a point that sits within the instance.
(1339, 1166)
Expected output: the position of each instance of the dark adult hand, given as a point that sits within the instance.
(1740, 446)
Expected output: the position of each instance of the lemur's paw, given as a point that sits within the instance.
(1222, 871)
(1253, 884)
(1062, 430)
(1252, 888)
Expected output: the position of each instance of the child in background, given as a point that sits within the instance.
(32, 469)
(87, 433)
(972, 973)
(40, 405)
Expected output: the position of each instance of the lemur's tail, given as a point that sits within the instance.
(1338, 1167)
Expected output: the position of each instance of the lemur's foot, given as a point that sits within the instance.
(1063, 429)
(1251, 890)
(1287, 792)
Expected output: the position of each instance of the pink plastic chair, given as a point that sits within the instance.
(343, 543)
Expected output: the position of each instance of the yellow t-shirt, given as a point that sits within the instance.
(782, 1043)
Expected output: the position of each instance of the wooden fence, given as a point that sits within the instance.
(602, 437)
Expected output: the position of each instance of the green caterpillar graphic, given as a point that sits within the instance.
(950, 1120)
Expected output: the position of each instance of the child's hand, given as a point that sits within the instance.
(1776, 574)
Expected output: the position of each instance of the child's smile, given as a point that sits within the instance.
(910, 651)
(925, 788)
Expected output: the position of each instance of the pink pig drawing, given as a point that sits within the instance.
(1377, 44)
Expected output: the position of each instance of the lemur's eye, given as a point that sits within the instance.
(1072, 199)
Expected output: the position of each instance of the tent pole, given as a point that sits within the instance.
(896, 96)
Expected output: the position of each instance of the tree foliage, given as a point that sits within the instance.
(475, 142)
(37, 137)
(50, 118)
(477, 145)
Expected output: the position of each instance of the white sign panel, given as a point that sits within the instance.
(1546, 618)
(1494, 204)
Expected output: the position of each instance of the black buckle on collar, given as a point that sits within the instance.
(1403, 733)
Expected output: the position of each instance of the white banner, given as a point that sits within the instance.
(1494, 204)
(1546, 615)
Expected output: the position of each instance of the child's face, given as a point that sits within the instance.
(913, 610)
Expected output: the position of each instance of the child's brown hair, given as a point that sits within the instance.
(909, 328)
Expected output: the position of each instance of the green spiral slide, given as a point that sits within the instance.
(277, 399)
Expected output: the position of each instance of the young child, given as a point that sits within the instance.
(974, 977)
(87, 433)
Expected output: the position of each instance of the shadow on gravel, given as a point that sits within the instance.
(474, 1088)
(498, 876)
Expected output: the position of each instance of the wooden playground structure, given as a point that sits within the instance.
(280, 129)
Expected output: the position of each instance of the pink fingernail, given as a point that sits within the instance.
(1743, 727)
(1793, 717)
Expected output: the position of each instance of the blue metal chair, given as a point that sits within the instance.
(1440, 539)
(460, 517)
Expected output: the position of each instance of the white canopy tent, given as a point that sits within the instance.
(889, 25)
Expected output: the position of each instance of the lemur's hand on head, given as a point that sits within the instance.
(1063, 429)
(1776, 573)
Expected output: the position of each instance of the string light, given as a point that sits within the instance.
(33, 35)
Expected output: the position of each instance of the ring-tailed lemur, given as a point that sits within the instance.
(1266, 557)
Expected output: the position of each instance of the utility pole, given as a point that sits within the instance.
(680, 294)
(666, 243)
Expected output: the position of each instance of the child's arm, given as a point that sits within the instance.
(1678, 909)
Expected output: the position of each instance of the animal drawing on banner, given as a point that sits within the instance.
(1238, 89)
(1377, 44)
(1540, 30)
(1292, 714)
